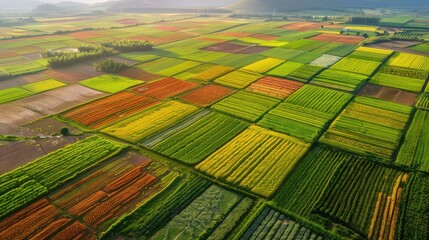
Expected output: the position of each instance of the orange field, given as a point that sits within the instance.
(338, 38)
(207, 95)
(165, 88)
(302, 26)
(275, 87)
(110, 109)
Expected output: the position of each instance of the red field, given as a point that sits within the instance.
(110, 109)
(207, 95)
(137, 73)
(165, 88)
(275, 87)
(302, 26)
(338, 38)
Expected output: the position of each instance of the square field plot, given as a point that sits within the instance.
(165, 88)
(110, 109)
(238, 79)
(150, 121)
(257, 160)
(306, 112)
(110, 83)
(246, 105)
(369, 126)
(212, 73)
(264, 65)
(355, 65)
(207, 95)
(285, 69)
(197, 137)
(275, 87)
(338, 79)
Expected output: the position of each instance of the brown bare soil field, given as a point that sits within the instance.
(388, 94)
(226, 47)
(253, 50)
(338, 38)
(16, 115)
(59, 100)
(16, 154)
(139, 74)
(48, 126)
(207, 95)
(73, 74)
(19, 81)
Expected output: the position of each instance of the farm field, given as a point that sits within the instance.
(214, 126)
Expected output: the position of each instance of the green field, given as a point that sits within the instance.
(110, 83)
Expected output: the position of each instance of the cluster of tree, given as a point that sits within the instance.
(110, 66)
(73, 58)
(127, 45)
(364, 20)
(49, 53)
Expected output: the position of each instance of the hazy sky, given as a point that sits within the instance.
(83, 1)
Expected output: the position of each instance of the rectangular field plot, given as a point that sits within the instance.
(200, 217)
(207, 95)
(338, 38)
(423, 101)
(415, 149)
(15, 93)
(271, 224)
(338, 79)
(355, 65)
(411, 61)
(212, 73)
(150, 121)
(365, 197)
(369, 126)
(110, 109)
(11, 94)
(264, 65)
(110, 83)
(285, 69)
(371, 54)
(275, 87)
(43, 86)
(238, 79)
(257, 160)
(305, 73)
(325, 61)
(246, 105)
(165, 88)
(306, 112)
(404, 83)
(36, 178)
(195, 139)
(179, 68)
(306, 184)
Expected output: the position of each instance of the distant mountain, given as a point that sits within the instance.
(58, 8)
(173, 4)
(20, 5)
(290, 5)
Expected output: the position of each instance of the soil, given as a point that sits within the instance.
(74, 73)
(388, 94)
(139, 74)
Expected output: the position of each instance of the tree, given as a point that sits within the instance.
(64, 131)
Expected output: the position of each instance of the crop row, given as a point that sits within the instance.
(150, 121)
(15, 93)
(355, 65)
(271, 224)
(165, 88)
(365, 197)
(285, 69)
(412, 61)
(423, 101)
(201, 138)
(238, 79)
(404, 83)
(369, 126)
(275, 87)
(264, 65)
(339, 79)
(213, 73)
(110, 109)
(246, 105)
(305, 72)
(404, 72)
(202, 216)
(310, 179)
(257, 160)
(160, 209)
(34, 179)
(415, 149)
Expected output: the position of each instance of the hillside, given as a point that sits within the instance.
(287, 5)
(173, 4)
